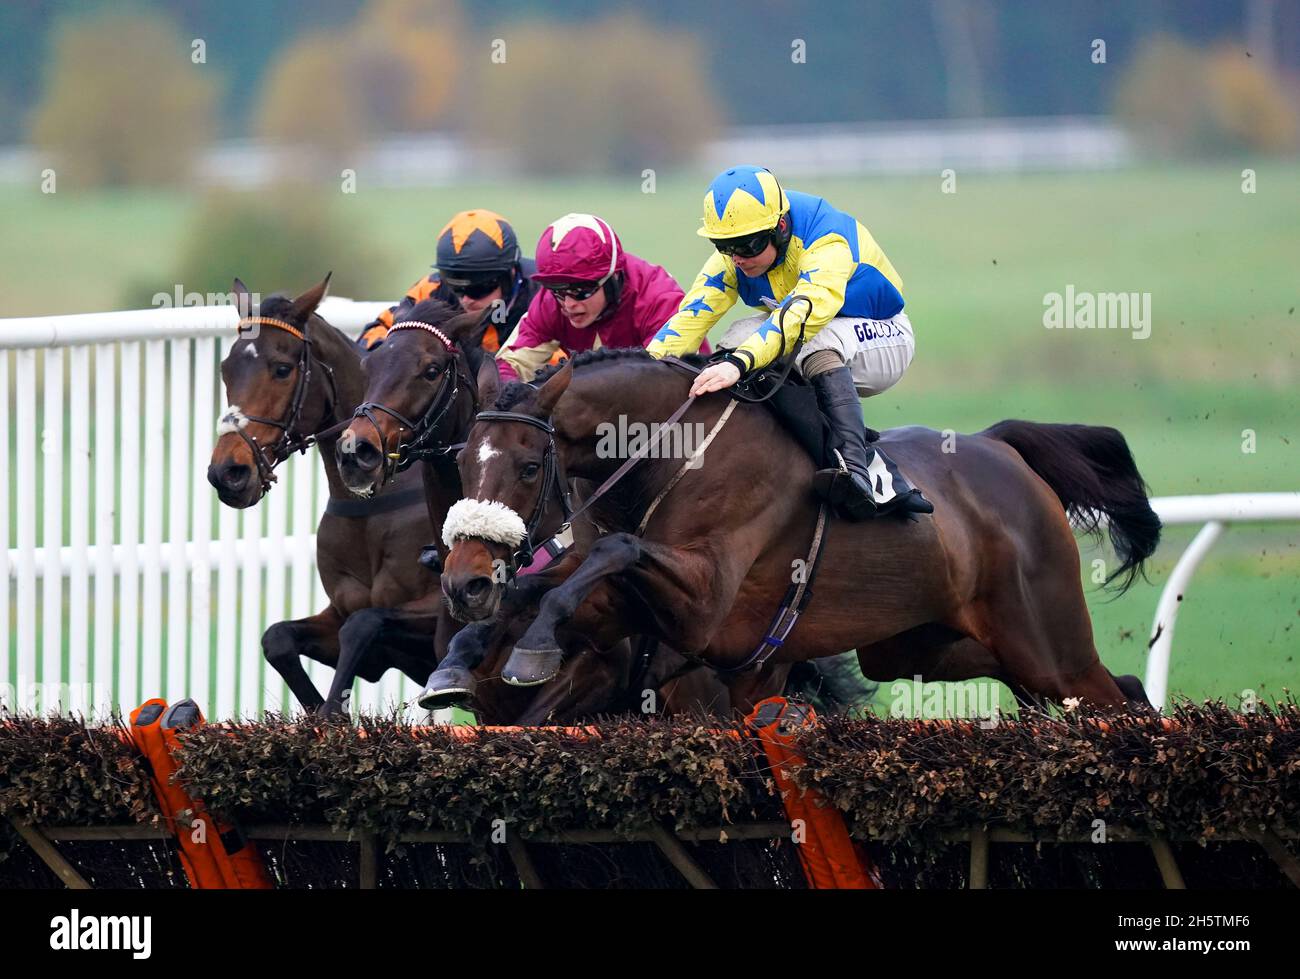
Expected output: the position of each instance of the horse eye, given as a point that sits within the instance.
(282, 371)
(529, 471)
(431, 372)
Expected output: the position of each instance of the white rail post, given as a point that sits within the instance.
(105, 493)
(128, 504)
(51, 439)
(1162, 630)
(25, 491)
(153, 461)
(81, 497)
(179, 445)
(201, 651)
(227, 608)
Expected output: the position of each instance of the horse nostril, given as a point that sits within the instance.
(366, 455)
(476, 587)
(235, 477)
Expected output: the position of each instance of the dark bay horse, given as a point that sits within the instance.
(408, 413)
(428, 352)
(479, 574)
(291, 378)
(987, 586)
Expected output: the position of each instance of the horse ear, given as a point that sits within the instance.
(489, 381)
(468, 328)
(243, 301)
(555, 386)
(306, 304)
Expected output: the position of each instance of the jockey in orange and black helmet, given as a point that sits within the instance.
(478, 264)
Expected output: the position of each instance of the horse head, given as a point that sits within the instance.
(281, 388)
(515, 496)
(420, 395)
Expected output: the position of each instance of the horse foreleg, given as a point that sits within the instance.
(316, 637)
(453, 683)
(537, 656)
(375, 640)
(629, 586)
(589, 683)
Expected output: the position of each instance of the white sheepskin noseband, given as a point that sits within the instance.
(486, 519)
(232, 421)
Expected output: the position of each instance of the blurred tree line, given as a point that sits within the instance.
(113, 90)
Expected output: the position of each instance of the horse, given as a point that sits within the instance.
(293, 381)
(987, 586)
(479, 574)
(413, 409)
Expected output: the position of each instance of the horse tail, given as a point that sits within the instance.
(1092, 472)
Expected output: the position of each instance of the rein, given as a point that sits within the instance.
(267, 458)
(425, 428)
(744, 390)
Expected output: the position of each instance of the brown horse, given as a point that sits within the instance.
(987, 586)
(292, 382)
(428, 352)
(479, 575)
(409, 412)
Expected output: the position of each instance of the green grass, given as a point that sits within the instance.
(1221, 357)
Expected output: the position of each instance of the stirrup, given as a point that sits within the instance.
(824, 479)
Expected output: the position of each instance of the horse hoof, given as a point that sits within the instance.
(450, 687)
(530, 667)
(333, 710)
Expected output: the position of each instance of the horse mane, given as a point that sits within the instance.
(278, 304)
(432, 310)
(438, 312)
(515, 392)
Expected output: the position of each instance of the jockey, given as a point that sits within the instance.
(773, 244)
(593, 294)
(478, 265)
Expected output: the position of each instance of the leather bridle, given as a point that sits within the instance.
(268, 457)
(553, 481)
(423, 442)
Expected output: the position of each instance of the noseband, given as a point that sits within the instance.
(423, 442)
(268, 457)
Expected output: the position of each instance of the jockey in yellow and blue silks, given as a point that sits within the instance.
(773, 244)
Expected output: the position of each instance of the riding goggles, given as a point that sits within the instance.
(746, 246)
(577, 291)
(476, 287)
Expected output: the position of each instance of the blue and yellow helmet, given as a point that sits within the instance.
(742, 201)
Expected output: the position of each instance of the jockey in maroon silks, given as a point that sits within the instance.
(594, 294)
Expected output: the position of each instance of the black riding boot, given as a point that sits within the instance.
(870, 484)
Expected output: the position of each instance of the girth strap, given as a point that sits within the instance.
(796, 600)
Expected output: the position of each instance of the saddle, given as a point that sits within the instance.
(794, 404)
(795, 407)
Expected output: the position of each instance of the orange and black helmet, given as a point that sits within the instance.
(475, 242)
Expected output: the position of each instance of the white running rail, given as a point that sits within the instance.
(124, 576)
(1214, 513)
